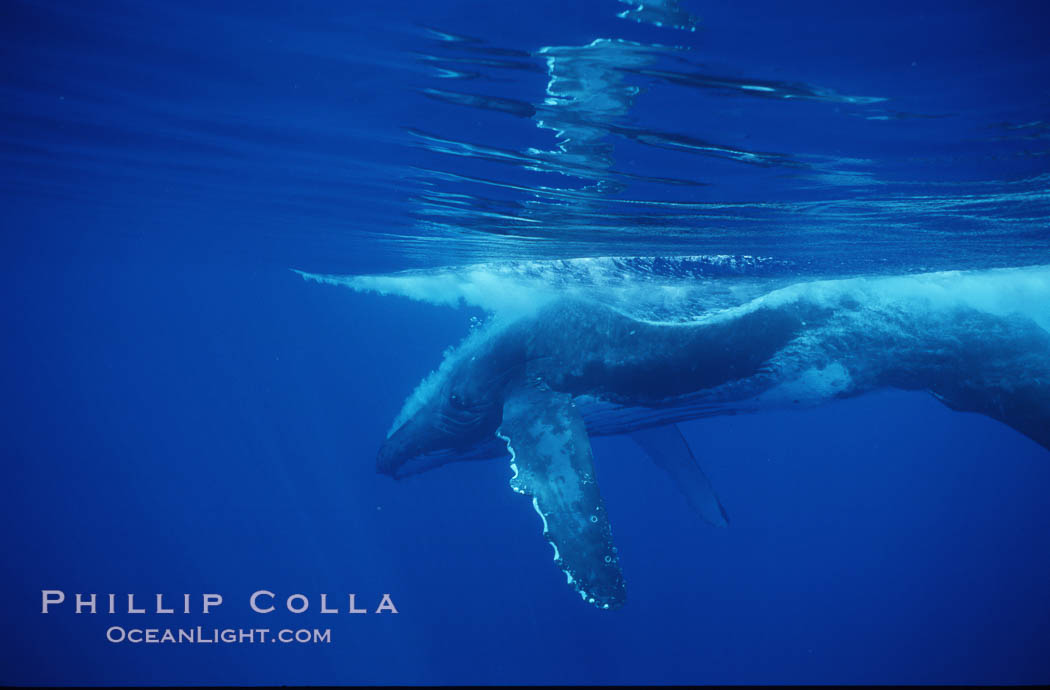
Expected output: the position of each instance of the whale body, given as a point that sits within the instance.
(535, 386)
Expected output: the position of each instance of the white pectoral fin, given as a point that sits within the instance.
(552, 462)
(670, 451)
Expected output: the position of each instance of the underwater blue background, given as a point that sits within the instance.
(183, 413)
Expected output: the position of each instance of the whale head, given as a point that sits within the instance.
(447, 427)
(455, 412)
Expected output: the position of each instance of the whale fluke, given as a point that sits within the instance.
(552, 462)
(671, 452)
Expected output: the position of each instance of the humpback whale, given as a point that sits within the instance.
(536, 385)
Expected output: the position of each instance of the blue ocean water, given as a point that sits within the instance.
(185, 414)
